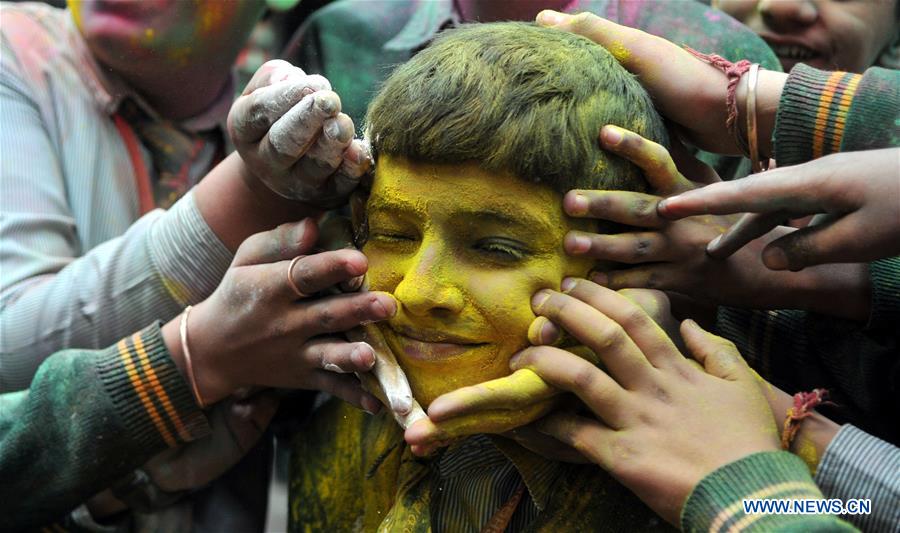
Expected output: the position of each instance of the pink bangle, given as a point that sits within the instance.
(182, 328)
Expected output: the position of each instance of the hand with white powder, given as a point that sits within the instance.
(289, 130)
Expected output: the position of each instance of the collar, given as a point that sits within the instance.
(109, 89)
(538, 473)
(430, 17)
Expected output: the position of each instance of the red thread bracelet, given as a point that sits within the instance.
(733, 71)
(804, 403)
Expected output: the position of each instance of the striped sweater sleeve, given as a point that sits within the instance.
(89, 418)
(858, 465)
(823, 112)
(716, 503)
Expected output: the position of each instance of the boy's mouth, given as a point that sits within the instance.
(429, 345)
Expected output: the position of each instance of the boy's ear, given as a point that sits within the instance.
(358, 199)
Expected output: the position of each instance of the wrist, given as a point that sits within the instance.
(236, 204)
(210, 378)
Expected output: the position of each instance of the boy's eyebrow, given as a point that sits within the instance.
(501, 216)
(521, 220)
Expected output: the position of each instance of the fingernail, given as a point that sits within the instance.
(577, 244)
(539, 299)
(548, 17)
(514, 361)
(568, 284)
(775, 258)
(333, 129)
(542, 331)
(612, 135)
(691, 324)
(331, 367)
(578, 205)
(355, 283)
(306, 92)
(714, 244)
(363, 356)
(385, 311)
(662, 205)
(326, 104)
(600, 278)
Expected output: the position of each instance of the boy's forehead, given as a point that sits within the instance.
(464, 189)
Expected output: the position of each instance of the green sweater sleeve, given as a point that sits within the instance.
(717, 502)
(823, 112)
(89, 417)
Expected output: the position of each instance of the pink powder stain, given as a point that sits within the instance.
(712, 16)
(629, 12)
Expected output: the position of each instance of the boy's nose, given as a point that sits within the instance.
(785, 16)
(429, 286)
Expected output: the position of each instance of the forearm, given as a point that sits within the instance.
(126, 403)
(162, 263)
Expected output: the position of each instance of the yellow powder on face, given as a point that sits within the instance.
(149, 34)
(438, 240)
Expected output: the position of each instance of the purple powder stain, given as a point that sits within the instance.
(712, 16)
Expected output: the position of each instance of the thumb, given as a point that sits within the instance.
(283, 243)
(718, 356)
(826, 242)
(248, 419)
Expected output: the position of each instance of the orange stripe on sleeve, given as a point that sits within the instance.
(160, 391)
(843, 109)
(140, 389)
(818, 147)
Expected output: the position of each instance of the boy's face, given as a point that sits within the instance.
(463, 250)
(826, 34)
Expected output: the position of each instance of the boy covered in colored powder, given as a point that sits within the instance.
(476, 139)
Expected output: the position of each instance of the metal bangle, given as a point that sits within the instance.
(752, 128)
(182, 328)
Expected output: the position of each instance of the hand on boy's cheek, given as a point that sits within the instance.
(509, 405)
(495, 406)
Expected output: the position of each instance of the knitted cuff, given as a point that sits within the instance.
(716, 503)
(191, 259)
(812, 114)
(885, 276)
(149, 392)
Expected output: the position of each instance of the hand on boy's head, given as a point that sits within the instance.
(660, 424)
(685, 89)
(661, 253)
(290, 132)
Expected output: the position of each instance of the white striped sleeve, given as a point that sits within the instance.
(858, 465)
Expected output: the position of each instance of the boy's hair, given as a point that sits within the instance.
(514, 97)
